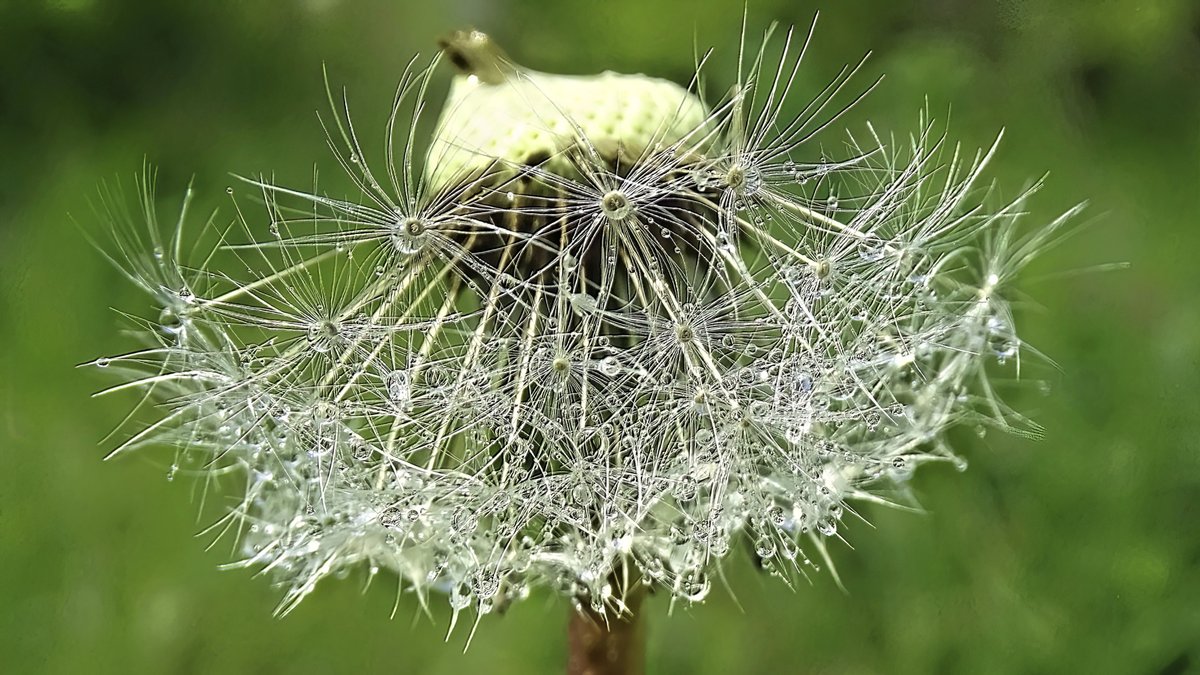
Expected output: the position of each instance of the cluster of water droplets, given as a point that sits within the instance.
(587, 382)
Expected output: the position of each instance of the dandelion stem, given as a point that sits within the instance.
(612, 645)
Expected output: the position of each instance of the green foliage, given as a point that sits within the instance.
(1077, 553)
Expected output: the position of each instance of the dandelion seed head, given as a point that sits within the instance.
(602, 333)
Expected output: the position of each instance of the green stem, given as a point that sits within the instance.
(612, 645)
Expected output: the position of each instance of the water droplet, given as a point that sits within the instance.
(459, 601)
(694, 586)
(719, 545)
(169, 321)
(409, 234)
(485, 584)
(581, 494)
(398, 384)
(804, 383)
(796, 432)
(103, 362)
(870, 249)
(764, 546)
(615, 205)
(684, 333)
(685, 488)
(323, 335)
(362, 452)
(464, 520)
(777, 515)
(583, 303)
(390, 519)
(753, 182)
(610, 366)
(1006, 350)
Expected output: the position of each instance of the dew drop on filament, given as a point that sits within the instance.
(610, 366)
(398, 384)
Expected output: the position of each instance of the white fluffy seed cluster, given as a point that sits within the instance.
(591, 369)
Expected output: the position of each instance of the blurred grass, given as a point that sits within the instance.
(1077, 553)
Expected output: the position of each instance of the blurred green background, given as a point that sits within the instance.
(1077, 553)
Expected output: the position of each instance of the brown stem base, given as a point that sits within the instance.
(600, 646)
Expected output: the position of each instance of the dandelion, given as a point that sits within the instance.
(586, 338)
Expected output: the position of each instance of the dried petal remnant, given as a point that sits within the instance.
(499, 113)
